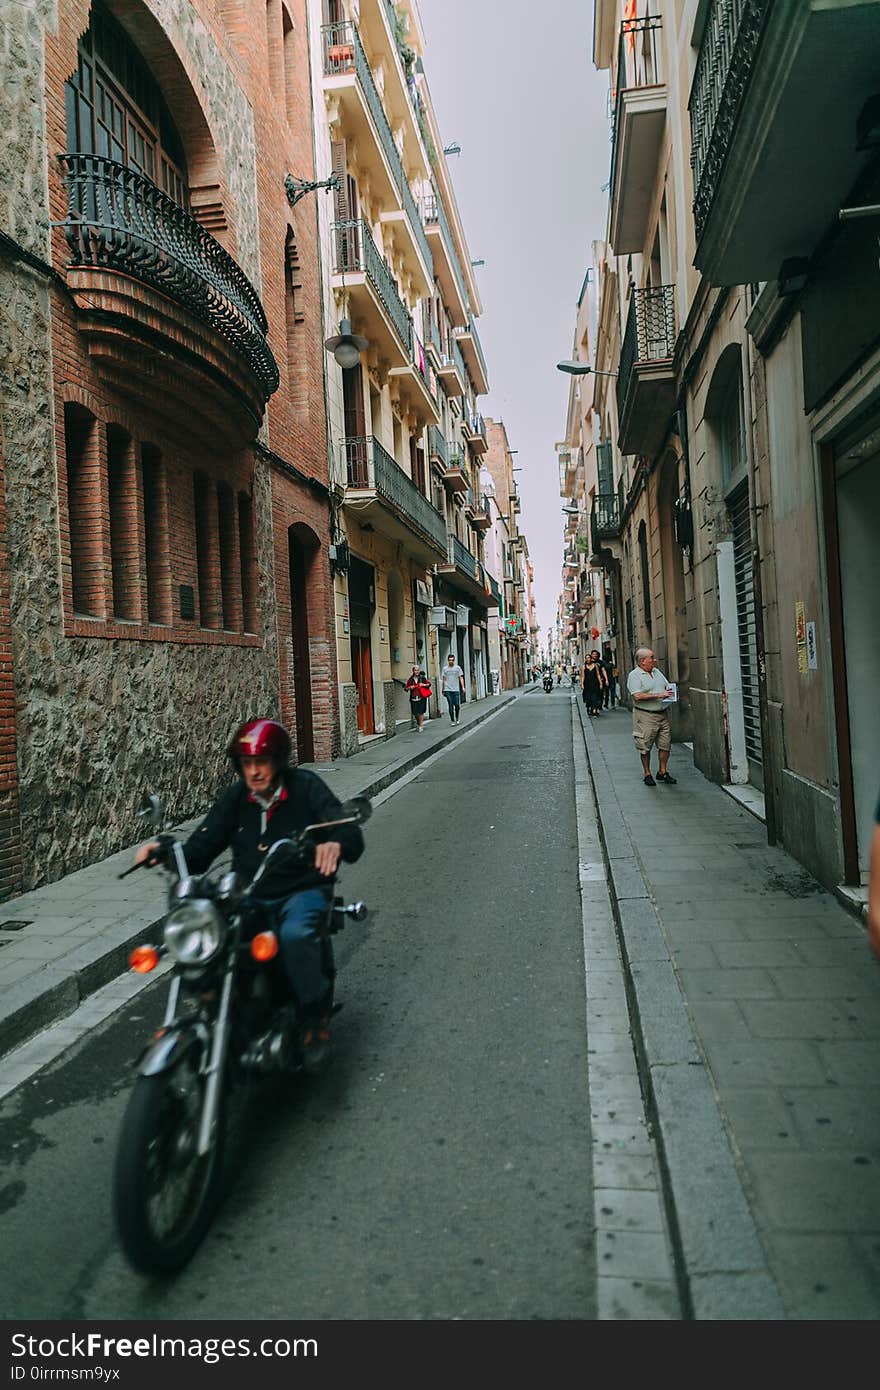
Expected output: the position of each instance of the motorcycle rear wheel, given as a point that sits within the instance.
(164, 1194)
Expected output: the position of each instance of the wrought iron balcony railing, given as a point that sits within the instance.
(371, 468)
(474, 424)
(344, 53)
(724, 65)
(451, 355)
(356, 250)
(461, 557)
(639, 64)
(435, 215)
(604, 519)
(456, 460)
(120, 220)
(471, 330)
(649, 335)
(494, 590)
(437, 445)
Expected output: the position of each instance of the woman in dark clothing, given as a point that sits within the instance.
(591, 686)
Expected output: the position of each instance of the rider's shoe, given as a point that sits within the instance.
(315, 1044)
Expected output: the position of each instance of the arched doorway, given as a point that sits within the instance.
(303, 547)
(674, 599)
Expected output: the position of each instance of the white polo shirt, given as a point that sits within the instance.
(639, 680)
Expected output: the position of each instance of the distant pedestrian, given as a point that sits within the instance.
(419, 688)
(609, 692)
(649, 687)
(452, 685)
(874, 889)
(591, 684)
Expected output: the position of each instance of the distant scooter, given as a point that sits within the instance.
(548, 682)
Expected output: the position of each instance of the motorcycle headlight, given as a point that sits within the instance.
(194, 932)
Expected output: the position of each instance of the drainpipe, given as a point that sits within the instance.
(760, 650)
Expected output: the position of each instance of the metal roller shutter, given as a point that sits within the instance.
(738, 506)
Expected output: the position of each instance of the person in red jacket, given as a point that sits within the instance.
(419, 689)
(274, 801)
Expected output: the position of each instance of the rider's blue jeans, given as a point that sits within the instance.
(298, 920)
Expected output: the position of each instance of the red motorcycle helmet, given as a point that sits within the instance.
(261, 738)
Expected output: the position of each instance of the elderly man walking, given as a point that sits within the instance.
(649, 688)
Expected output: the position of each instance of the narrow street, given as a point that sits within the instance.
(441, 1167)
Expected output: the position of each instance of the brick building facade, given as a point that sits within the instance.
(162, 411)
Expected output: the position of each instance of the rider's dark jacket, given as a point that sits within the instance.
(238, 821)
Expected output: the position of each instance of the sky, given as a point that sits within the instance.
(514, 85)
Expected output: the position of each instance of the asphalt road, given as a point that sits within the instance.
(440, 1168)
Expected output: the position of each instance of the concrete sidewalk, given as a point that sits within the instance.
(60, 943)
(755, 1005)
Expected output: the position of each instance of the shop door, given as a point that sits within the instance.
(738, 506)
(362, 671)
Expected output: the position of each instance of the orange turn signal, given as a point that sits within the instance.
(264, 945)
(143, 959)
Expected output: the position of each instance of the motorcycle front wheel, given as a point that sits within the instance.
(165, 1194)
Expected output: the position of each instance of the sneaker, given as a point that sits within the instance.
(667, 778)
(649, 781)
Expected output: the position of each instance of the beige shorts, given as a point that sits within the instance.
(650, 728)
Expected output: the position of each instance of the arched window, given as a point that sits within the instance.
(115, 109)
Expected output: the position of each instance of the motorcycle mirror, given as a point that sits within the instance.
(151, 810)
(360, 808)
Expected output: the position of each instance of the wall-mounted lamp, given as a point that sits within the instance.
(346, 346)
(452, 149)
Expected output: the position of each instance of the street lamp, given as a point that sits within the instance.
(571, 508)
(580, 369)
(346, 346)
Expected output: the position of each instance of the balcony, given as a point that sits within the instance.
(378, 25)
(646, 386)
(349, 81)
(414, 384)
(494, 590)
(447, 266)
(604, 521)
(451, 370)
(377, 308)
(457, 475)
(481, 516)
(464, 571)
(473, 427)
(380, 493)
(438, 448)
(774, 108)
(469, 340)
(145, 274)
(639, 121)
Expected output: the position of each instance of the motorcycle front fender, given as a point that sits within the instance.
(165, 1050)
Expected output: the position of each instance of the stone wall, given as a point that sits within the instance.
(348, 703)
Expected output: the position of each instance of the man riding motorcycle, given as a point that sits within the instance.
(274, 801)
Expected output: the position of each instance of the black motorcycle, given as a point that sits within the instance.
(548, 682)
(228, 1017)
